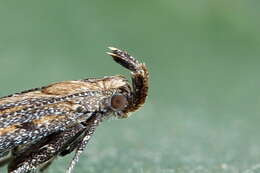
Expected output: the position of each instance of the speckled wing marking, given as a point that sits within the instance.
(54, 90)
(22, 127)
(15, 135)
(29, 116)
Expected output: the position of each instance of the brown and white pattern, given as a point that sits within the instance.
(40, 124)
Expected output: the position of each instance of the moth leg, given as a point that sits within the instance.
(5, 158)
(91, 125)
(71, 147)
(72, 144)
(29, 161)
(46, 165)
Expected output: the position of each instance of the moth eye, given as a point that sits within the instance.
(119, 102)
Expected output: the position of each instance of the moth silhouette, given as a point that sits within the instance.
(40, 124)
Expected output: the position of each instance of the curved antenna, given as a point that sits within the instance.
(140, 76)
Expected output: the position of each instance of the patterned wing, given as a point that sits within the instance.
(29, 116)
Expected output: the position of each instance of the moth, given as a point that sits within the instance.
(40, 124)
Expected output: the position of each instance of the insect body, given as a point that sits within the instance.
(40, 124)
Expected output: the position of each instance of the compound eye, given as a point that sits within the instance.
(119, 102)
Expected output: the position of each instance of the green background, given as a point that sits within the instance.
(203, 112)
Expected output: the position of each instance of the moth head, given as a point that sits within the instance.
(126, 97)
(116, 95)
(121, 99)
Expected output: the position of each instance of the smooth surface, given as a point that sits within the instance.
(203, 110)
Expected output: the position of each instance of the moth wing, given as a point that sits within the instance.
(28, 123)
(29, 116)
(30, 132)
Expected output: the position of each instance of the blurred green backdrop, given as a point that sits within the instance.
(203, 110)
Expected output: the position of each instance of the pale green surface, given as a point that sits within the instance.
(203, 110)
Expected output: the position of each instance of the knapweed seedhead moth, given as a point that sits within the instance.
(40, 124)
